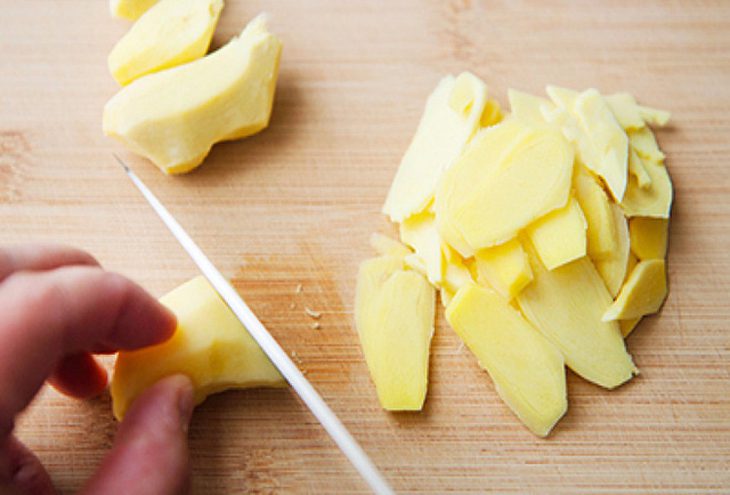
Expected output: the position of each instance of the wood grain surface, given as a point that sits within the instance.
(296, 204)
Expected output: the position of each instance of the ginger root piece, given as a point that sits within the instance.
(171, 33)
(527, 370)
(130, 9)
(566, 305)
(560, 236)
(642, 294)
(504, 268)
(210, 346)
(174, 117)
(452, 115)
(394, 315)
(510, 175)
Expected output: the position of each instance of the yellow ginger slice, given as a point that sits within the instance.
(210, 346)
(439, 140)
(419, 232)
(601, 142)
(175, 116)
(649, 237)
(613, 268)
(624, 108)
(654, 200)
(504, 267)
(654, 116)
(394, 315)
(456, 273)
(642, 294)
(638, 170)
(510, 175)
(644, 143)
(628, 326)
(172, 32)
(560, 236)
(528, 107)
(384, 245)
(598, 213)
(130, 9)
(566, 305)
(492, 114)
(527, 370)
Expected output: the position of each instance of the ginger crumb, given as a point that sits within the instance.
(292, 306)
(316, 325)
(312, 313)
(299, 288)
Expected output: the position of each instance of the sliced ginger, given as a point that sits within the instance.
(210, 346)
(527, 370)
(560, 236)
(172, 32)
(476, 197)
(394, 313)
(452, 115)
(523, 228)
(130, 9)
(642, 294)
(504, 268)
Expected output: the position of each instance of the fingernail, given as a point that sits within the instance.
(185, 406)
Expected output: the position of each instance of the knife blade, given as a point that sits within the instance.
(279, 358)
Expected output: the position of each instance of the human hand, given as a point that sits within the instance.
(57, 307)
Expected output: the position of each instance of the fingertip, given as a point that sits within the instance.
(79, 376)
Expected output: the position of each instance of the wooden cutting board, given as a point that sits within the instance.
(296, 204)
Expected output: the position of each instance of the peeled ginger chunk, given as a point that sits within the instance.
(174, 117)
(511, 175)
(172, 32)
(527, 370)
(649, 237)
(394, 315)
(505, 268)
(210, 346)
(452, 115)
(642, 294)
(566, 305)
(130, 9)
(560, 236)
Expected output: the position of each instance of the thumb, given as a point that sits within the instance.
(150, 453)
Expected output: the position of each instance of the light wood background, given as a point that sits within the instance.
(297, 203)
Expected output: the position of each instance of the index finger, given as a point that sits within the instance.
(38, 257)
(49, 315)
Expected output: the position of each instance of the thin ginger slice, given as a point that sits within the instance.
(560, 236)
(510, 175)
(527, 370)
(504, 268)
(394, 315)
(613, 269)
(442, 134)
(566, 304)
(649, 237)
(642, 294)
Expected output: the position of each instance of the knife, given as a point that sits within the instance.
(344, 440)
